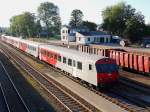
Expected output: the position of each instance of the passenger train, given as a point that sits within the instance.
(93, 69)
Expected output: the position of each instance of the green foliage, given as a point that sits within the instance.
(121, 19)
(49, 15)
(135, 28)
(23, 25)
(90, 25)
(147, 30)
(76, 18)
(38, 27)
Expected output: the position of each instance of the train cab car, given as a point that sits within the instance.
(14, 41)
(107, 71)
(93, 69)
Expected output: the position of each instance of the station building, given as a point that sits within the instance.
(68, 34)
(82, 35)
(92, 37)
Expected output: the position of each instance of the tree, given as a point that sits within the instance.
(135, 28)
(49, 15)
(147, 30)
(76, 18)
(23, 25)
(38, 27)
(90, 25)
(115, 17)
(118, 19)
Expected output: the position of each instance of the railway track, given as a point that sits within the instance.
(116, 96)
(135, 85)
(4, 106)
(65, 100)
(12, 98)
(122, 97)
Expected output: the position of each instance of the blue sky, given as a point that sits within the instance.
(91, 8)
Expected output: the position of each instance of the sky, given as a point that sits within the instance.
(91, 8)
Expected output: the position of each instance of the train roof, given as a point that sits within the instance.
(31, 42)
(14, 38)
(72, 53)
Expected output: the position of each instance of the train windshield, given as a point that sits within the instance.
(106, 68)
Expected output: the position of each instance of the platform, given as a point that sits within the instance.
(94, 99)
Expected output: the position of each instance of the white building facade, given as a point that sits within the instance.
(68, 34)
(92, 37)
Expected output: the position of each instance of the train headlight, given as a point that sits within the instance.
(109, 74)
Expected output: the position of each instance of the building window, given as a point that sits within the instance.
(64, 59)
(90, 67)
(79, 65)
(102, 39)
(63, 31)
(66, 31)
(88, 39)
(98, 39)
(63, 37)
(70, 62)
(95, 39)
(79, 38)
(107, 40)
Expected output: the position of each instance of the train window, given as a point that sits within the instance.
(90, 67)
(64, 59)
(34, 49)
(44, 52)
(41, 51)
(79, 65)
(70, 62)
(74, 63)
(55, 56)
(48, 54)
(59, 58)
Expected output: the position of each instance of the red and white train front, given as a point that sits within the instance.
(107, 71)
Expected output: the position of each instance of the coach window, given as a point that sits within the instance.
(90, 67)
(74, 63)
(64, 59)
(48, 54)
(70, 62)
(33, 48)
(55, 56)
(44, 52)
(59, 58)
(79, 65)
